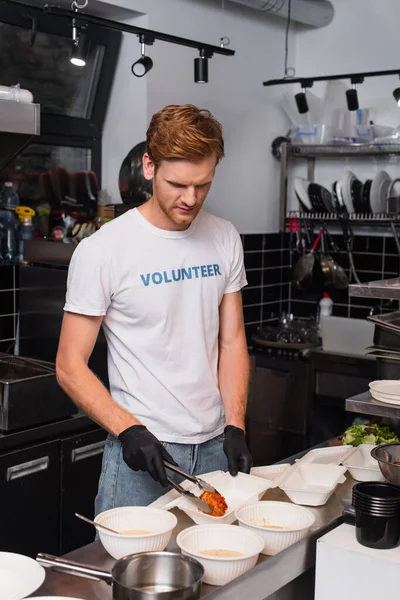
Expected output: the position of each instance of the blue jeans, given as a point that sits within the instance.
(120, 486)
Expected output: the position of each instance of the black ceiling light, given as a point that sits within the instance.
(201, 67)
(80, 50)
(144, 63)
(80, 45)
(301, 98)
(352, 96)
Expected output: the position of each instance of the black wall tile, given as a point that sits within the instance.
(252, 313)
(392, 264)
(6, 303)
(368, 262)
(250, 330)
(357, 312)
(271, 276)
(271, 294)
(6, 328)
(271, 311)
(6, 278)
(251, 296)
(273, 258)
(340, 310)
(303, 309)
(253, 241)
(253, 260)
(254, 277)
(273, 241)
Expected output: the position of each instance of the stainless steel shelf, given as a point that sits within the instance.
(316, 151)
(368, 219)
(388, 289)
(365, 404)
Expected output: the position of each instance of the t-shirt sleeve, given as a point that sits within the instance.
(237, 276)
(89, 284)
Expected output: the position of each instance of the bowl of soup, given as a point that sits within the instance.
(225, 551)
(140, 529)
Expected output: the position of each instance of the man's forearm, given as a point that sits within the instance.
(233, 376)
(87, 391)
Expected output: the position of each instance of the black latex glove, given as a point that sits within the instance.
(142, 451)
(236, 450)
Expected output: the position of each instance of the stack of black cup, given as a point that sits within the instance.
(377, 514)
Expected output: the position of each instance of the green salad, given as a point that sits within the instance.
(369, 434)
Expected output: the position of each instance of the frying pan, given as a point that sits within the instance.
(335, 275)
(145, 576)
(302, 270)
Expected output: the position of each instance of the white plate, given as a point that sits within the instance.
(301, 189)
(379, 190)
(327, 456)
(387, 387)
(20, 576)
(345, 187)
(380, 398)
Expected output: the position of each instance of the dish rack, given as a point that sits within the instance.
(287, 152)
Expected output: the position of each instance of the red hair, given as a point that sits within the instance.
(184, 132)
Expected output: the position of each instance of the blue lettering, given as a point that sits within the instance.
(210, 271)
(196, 271)
(203, 270)
(156, 278)
(174, 276)
(216, 270)
(187, 273)
(166, 278)
(145, 279)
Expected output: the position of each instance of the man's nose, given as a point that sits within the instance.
(189, 197)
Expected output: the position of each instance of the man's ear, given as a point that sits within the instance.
(148, 167)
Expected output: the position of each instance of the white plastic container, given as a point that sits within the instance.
(325, 306)
(327, 456)
(361, 465)
(270, 472)
(312, 484)
(159, 522)
(238, 491)
(221, 570)
(296, 521)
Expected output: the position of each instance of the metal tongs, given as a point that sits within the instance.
(201, 484)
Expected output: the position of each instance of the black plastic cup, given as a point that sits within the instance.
(377, 514)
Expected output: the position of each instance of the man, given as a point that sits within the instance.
(164, 281)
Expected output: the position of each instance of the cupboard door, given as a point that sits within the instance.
(30, 500)
(81, 457)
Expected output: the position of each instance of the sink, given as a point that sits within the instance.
(345, 335)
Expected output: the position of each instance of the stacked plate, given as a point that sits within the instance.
(386, 390)
(348, 194)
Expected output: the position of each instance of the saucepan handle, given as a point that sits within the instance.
(73, 568)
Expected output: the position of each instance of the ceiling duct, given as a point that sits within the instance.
(315, 13)
(19, 123)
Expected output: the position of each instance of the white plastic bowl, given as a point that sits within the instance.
(220, 570)
(159, 522)
(312, 484)
(361, 465)
(296, 520)
(238, 491)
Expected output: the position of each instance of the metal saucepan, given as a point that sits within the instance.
(145, 576)
(302, 270)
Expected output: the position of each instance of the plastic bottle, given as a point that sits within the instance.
(325, 306)
(8, 196)
(25, 215)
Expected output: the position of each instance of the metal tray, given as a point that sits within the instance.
(30, 394)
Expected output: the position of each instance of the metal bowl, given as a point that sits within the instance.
(386, 455)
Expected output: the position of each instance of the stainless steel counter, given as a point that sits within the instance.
(367, 405)
(270, 574)
(386, 288)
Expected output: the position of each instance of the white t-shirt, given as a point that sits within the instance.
(160, 293)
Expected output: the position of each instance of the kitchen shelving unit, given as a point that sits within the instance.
(289, 151)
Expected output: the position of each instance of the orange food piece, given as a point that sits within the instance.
(216, 502)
